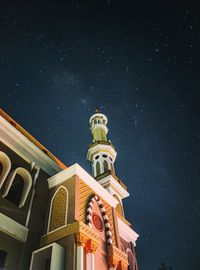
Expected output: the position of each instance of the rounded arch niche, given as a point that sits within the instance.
(58, 209)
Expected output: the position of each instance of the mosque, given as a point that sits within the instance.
(54, 217)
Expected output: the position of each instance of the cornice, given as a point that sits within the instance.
(76, 169)
(112, 183)
(101, 147)
(13, 228)
(126, 232)
(19, 143)
(82, 233)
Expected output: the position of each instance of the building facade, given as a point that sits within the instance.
(54, 217)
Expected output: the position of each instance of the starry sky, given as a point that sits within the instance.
(139, 63)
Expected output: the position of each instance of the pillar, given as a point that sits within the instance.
(90, 250)
(80, 244)
(90, 261)
(79, 260)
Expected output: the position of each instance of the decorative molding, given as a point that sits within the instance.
(117, 257)
(78, 228)
(126, 232)
(81, 239)
(20, 144)
(91, 246)
(76, 169)
(111, 183)
(100, 147)
(104, 216)
(13, 228)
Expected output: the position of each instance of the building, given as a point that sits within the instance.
(54, 217)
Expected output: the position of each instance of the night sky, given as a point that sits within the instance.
(137, 62)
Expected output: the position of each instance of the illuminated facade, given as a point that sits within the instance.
(54, 217)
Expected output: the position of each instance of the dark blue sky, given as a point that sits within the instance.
(139, 63)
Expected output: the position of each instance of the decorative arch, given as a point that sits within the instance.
(23, 179)
(104, 215)
(58, 209)
(119, 207)
(5, 166)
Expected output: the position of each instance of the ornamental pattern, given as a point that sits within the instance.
(104, 215)
(58, 209)
(97, 222)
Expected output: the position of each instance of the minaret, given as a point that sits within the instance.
(101, 152)
(102, 155)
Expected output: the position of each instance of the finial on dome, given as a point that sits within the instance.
(97, 110)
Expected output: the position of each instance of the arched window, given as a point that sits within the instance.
(119, 208)
(18, 186)
(97, 168)
(131, 260)
(105, 165)
(58, 209)
(5, 166)
(16, 189)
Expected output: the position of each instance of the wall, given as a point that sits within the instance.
(38, 213)
(13, 248)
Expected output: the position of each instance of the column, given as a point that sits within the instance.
(90, 261)
(79, 260)
(90, 250)
(80, 242)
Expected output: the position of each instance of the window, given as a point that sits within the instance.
(16, 190)
(96, 157)
(5, 165)
(98, 168)
(105, 165)
(3, 255)
(18, 184)
(105, 156)
(58, 209)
